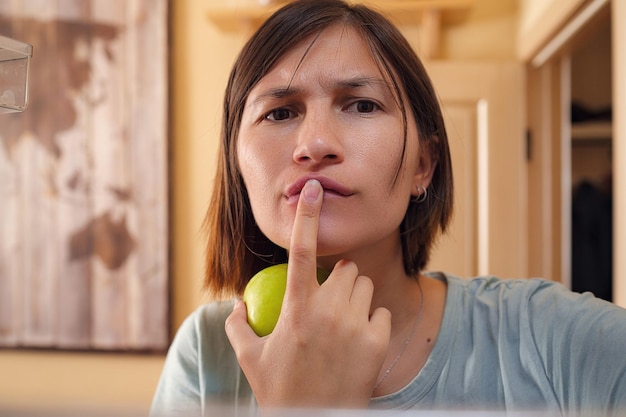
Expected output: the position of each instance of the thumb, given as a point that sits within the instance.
(239, 332)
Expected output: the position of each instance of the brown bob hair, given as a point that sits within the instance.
(236, 247)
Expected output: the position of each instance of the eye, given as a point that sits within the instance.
(277, 115)
(364, 106)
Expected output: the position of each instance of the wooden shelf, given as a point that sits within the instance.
(592, 130)
(250, 16)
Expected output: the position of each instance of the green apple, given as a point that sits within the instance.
(264, 294)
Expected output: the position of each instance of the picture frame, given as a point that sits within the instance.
(84, 217)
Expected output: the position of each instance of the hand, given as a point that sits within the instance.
(326, 350)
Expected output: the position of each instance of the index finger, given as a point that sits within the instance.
(302, 269)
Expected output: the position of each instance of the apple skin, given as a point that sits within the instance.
(264, 295)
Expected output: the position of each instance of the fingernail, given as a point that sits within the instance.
(312, 190)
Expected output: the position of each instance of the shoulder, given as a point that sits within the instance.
(512, 292)
(199, 353)
(533, 302)
(492, 284)
(544, 312)
(200, 366)
(543, 337)
(204, 327)
(211, 314)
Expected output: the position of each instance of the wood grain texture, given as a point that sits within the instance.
(83, 190)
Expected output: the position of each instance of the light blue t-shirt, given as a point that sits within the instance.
(503, 345)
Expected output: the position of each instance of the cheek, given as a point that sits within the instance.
(260, 171)
(381, 161)
(254, 164)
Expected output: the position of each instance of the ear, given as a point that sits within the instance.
(425, 168)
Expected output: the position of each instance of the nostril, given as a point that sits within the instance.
(317, 151)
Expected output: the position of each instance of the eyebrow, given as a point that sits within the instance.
(358, 82)
(279, 92)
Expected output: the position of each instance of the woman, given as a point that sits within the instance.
(334, 152)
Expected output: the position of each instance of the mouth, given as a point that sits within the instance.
(330, 187)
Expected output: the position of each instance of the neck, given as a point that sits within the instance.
(393, 288)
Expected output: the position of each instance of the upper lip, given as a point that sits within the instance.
(327, 185)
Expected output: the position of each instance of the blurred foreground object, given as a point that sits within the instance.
(14, 62)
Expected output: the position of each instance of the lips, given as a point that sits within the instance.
(330, 187)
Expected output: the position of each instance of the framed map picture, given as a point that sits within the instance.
(84, 178)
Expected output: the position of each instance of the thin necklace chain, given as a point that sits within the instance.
(406, 341)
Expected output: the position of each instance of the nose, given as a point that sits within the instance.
(319, 140)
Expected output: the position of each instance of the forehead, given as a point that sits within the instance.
(338, 51)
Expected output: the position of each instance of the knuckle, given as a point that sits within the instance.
(377, 343)
(347, 266)
(379, 349)
(244, 355)
(300, 252)
(365, 283)
(229, 325)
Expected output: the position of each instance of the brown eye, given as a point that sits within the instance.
(365, 106)
(279, 114)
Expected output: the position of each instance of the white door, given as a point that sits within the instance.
(483, 106)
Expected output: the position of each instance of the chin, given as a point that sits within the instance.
(333, 248)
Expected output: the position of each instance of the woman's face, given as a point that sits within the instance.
(332, 116)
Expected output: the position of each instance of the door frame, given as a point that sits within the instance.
(549, 176)
(496, 90)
